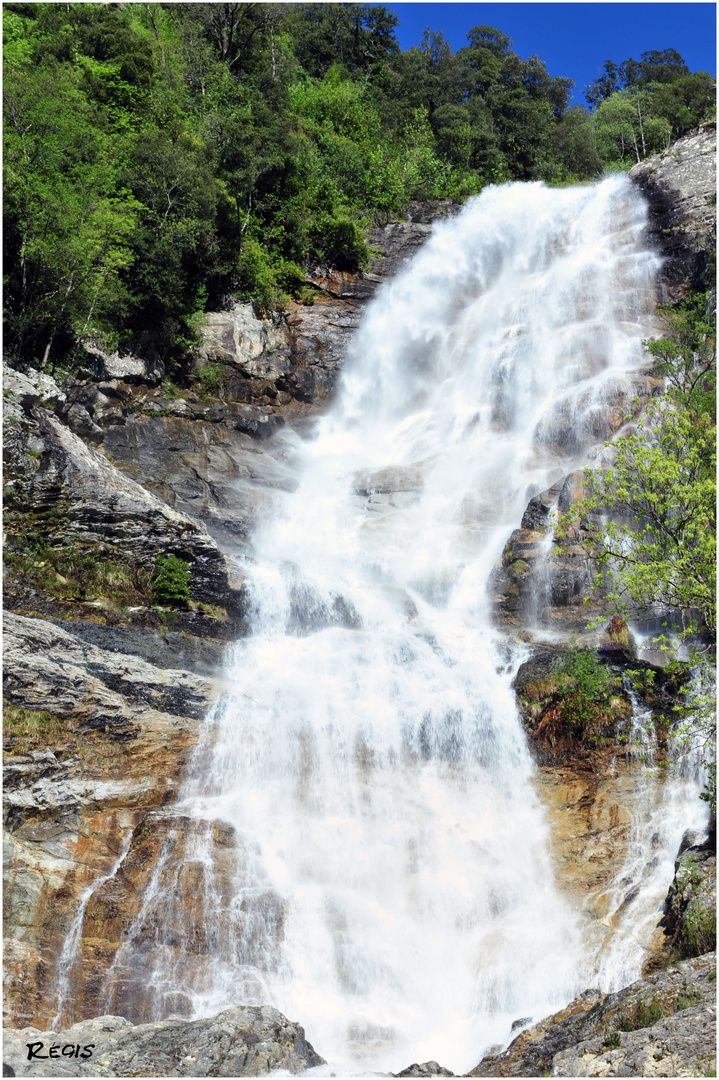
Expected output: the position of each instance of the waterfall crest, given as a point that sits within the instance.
(384, 876)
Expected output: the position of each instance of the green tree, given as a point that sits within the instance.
(650, 516)
(575, 146)
(655, 66)
(628, 129)
(357, 36)
(68, 223)
(521, 101)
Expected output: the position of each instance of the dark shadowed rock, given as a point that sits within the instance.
(427, 1068)
(690, 916)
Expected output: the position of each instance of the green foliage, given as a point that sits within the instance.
(644, 1015)
(649, 520)
(171, 581)
(709, 794)
(159, 158)
(583, 700)
(586, 688)
(628, 128)
(658, 548)
(70, 568)
(643, 104)
(613, 1041)
(692, 995)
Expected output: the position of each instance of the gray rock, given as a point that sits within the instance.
(212, 471)
(664, 997)
(44, 667)
(78, 419)
(257, 347)
(690, 915)
(129, 368)
(427, 1068)
(680, 185)
(679, 1045)
(32, 388)
(97, 502)
(164, 648)
(244, 1041)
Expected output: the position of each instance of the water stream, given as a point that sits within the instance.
(388, 884)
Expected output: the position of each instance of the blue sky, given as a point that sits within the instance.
(574, 39)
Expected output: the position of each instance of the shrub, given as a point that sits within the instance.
(613, 1041)
(645, 1014)
(583, 700)
(699, 932)
(171, 581)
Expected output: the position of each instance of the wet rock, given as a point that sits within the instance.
(388, 481)
(427, 1068)
(94, 740)
(680, 185)
(244, 1041)
(164, 648)
(671, 1010)
(690, 917)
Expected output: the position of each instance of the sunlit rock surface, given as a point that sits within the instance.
(659, 1026)
(244, 1041)
(680, 185)
(94, 739)
(58, 487)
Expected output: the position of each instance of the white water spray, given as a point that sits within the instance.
(389, 886)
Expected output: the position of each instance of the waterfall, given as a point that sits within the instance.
(386, 880)
(662, 798)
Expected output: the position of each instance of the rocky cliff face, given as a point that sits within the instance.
(680, 185)
(95, 740)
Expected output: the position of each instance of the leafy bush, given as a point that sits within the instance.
(699, 934)
(645, 1014)
(613, 1041)
(171, 581)
(582, 699)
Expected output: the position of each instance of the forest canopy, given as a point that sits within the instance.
(160, 158)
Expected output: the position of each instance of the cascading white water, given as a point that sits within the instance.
(662, 797)
(390, 886)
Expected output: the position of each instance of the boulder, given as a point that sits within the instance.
(427, 1068)
(32, 388)
(244, 1041)
(128, 368)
